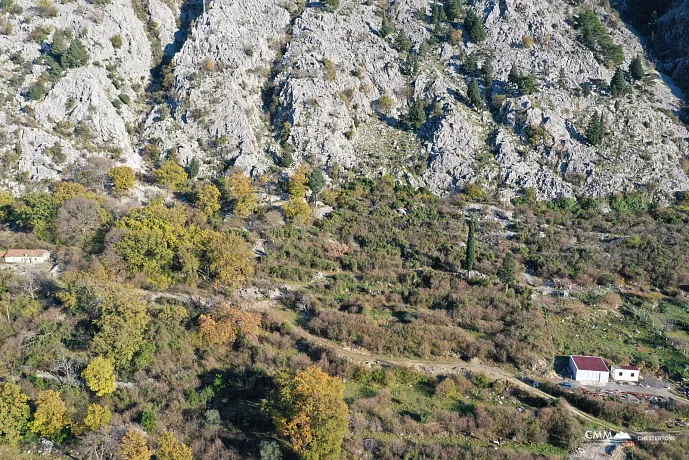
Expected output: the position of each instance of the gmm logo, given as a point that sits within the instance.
(598, 435)
(594, 435)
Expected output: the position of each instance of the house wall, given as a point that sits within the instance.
(572, 368)
(26, 260)
(591, 376)
(626, 375)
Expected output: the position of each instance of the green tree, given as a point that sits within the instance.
(474, 95)
(473, 25)
(526, 84)
(508, 269)
(270, 450)
(563, 429)
(488, 74)
(76, 55)
(471, 64)
(453, 9)
(170, 175)
(417, 114)
(193, 168)
(14, 414)
(310, 412)
(37, 212)
(122, 178)
(471, 246)
(514, 75)
(316, 181)
(402, 42)
(387, 27)
(37, 91)
(50, 417)
(636, 68)
(121, 327)
(100, 376)
(333, 5)
(618, 84)
(149, 420)
(116, 41)
(596, 130)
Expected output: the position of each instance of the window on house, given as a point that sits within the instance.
(632, 374)
(619, 374)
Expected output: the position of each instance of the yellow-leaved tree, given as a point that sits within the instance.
(122, 178)
(242, 193)
(297, 210)
(100, 376)
(170, 175)
(97, 416)
(63, 191)
(121, 327)
(134, 446)
(310, 412)
(208, 199)
(227, 322)
(230, 259)
(14, 413)
(172, 449)
(50, 417)
(298, 181)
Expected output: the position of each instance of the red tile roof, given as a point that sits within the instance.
(25, 253)
(590, 363)
(627, 368)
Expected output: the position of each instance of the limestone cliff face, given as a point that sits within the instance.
(249, 79)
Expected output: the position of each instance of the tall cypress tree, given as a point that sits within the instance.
(474, 95)
(471, 245)
(453, 9)
(488, 74)
(507, 271)
(636, 68)
(514, 75)
(618, 84)
(596, 130)
(417, 114)
(473, 25)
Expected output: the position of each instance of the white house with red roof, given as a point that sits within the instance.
(25, 256)
(625, 373)
(588, 369)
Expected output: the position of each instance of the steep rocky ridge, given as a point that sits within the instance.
(664, 24)
(251, 79)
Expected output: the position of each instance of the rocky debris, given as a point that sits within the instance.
(219, 73)
(250, 79)
(643, 142)
(335, 68)
(82, 96)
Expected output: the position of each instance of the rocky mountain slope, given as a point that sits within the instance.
(250, 84)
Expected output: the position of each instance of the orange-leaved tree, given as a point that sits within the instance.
(310, 412)
(227, 322)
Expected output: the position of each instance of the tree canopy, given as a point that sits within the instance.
(309, 410)
(100, 376)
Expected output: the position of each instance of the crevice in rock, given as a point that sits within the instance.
(270, 90)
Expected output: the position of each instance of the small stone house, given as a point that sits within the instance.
(589, 369)
(26, 256)
(625, 373)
